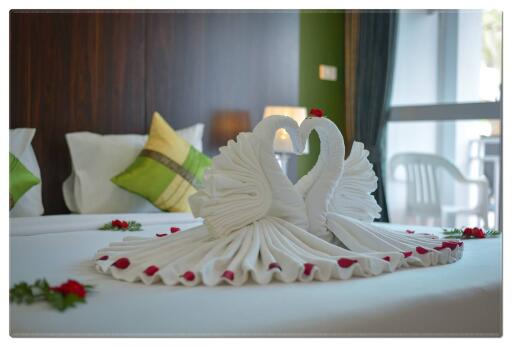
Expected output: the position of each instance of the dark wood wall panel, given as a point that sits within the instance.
(200, 63)
(107, 72)
(74, 72)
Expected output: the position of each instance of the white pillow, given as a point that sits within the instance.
(31, 203)
(97, 158)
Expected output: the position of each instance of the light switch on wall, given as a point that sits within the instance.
(328, 72)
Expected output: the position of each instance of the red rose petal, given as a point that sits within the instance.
(121, 263)
(450, 244)
(407, 254)
(387, 258)
(316, 112)
(478, 233)
(189, 276)
(274, 266)
(440, 248)
(308, 268)
(124, 224)
(105, 257)
(346, 262)
(71, 287)
(461, 244)
(230, 275)
(161, 235)
(174, 229)
(151, 270)
(408, 231)
(421, 250)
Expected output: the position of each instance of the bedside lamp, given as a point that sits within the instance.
(282, 143)
(227, 124)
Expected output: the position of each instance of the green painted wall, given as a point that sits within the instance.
(321, 42)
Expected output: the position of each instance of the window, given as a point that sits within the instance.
(446, 100)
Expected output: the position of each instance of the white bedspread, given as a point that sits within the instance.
(460, 299)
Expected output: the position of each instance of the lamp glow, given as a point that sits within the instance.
(282, 141)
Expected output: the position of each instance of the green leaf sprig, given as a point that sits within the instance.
(24, 293)
(117, 225)
(458, 233)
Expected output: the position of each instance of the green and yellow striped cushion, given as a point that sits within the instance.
(20, 180)
(167, 171)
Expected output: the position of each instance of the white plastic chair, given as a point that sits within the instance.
(423, 191)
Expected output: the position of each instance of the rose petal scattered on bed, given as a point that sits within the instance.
(450, 244)
(189, 276)
(274, 266)
(421, 250)
(346, 262)
(151, 270)
(308, 268)
(230, 275)
(121, 263)
(407, 254)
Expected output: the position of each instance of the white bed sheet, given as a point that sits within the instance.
(461, 299)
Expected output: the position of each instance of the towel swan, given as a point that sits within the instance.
(255, 226)
(341, 208)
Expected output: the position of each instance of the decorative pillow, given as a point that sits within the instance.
(20, 180)
(96, 159)
(167, 171)
(31, 203)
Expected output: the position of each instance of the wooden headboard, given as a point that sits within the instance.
(107, 71)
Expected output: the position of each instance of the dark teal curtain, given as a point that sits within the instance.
(376, 57)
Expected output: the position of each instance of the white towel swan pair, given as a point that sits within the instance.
(258, 225)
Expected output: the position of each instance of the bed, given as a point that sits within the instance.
(461, 299)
